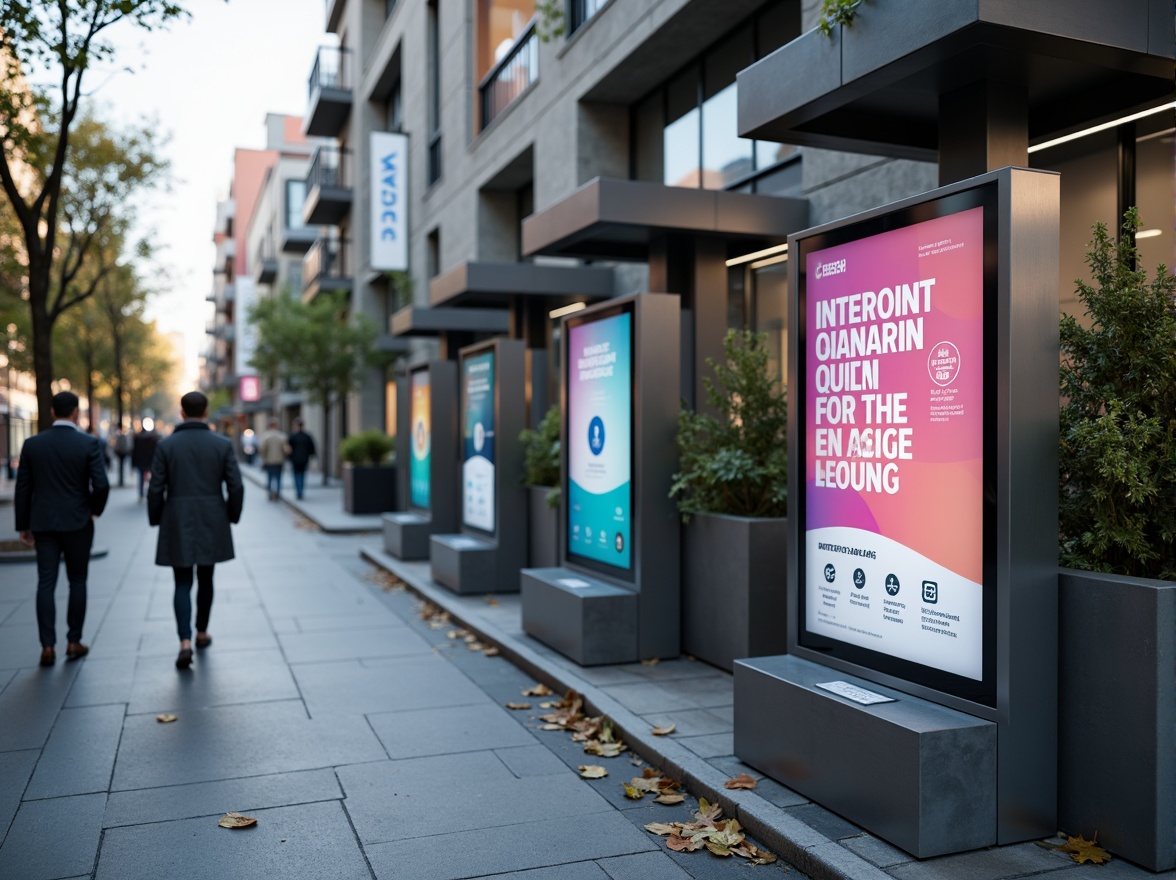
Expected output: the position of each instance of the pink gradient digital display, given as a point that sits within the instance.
(893, 384)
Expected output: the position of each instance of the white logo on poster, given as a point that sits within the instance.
(833, 267)
(479, 437)
(943, 363)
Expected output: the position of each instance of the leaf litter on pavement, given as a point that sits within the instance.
(1080, 849)
(236, 820)
(710, 831)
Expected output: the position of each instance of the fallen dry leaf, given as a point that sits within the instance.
(518, 706)
(633, 794)
(1081, 850)
(475, 646)
(236, 820)
(539, 690)
(662, 828)
(492, 651)
(683, 844)
(552, 727)
(664, 730)
(593, 771)
(604, 750)
(491, 601)
(742, 781)
(166, 718)
(652, 661)
(644, 785)
(670, 797)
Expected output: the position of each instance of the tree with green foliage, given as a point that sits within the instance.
(1118, 419)
(316, 344)
(66, 182)
(736, 461)
(541, 453)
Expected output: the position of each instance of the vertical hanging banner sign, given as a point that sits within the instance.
(389, 197)
(894, 423)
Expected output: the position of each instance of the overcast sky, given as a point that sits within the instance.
(206, 85)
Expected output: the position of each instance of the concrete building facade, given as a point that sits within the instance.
(508, 114)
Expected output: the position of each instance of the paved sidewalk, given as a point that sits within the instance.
(366, 743)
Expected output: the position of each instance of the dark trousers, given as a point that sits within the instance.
(183, 599)
(273, 478)
(122, 464)
(144, 474)
(51, 547)
(299, 482)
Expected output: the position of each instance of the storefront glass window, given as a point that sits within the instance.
(770, 284)
(726, 157)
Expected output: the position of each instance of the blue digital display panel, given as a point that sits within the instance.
(477, 467)
(600, 439)
(422, 440)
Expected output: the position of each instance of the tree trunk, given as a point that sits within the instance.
(42, 342)
(325, 458)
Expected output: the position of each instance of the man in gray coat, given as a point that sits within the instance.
(185, 499)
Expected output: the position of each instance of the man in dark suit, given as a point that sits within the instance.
(186, 500)
(61, 488)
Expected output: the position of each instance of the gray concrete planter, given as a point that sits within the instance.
(733, 595)
(543, 528)
(1117, 714)
(368, 489)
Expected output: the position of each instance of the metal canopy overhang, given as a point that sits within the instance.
(617, 219)
(875, 87)
(418, 321)
(490, 284)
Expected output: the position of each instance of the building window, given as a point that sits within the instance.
(433, 258)
(685, 133)
(507, 54)
(394, 110)
(295, 199)
(580, 11)
(434, 62)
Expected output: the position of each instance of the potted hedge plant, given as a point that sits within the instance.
(1117, 516)
(732, 493)
(369, 480)
(541, 477)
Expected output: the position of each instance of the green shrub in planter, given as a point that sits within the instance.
(1118, 417)
(541, 455)
(370, 448)
(735, 463)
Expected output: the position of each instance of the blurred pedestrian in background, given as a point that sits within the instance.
(143, 452)
(194, 494)
(123, 444)
(274, 450)
(61, 488)
(301, 451)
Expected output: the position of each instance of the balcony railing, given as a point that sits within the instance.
(266, 267)
(327, 265)
(511, 76)
(329, 71)
(330, 167)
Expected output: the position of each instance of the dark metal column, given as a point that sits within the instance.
(982, 127)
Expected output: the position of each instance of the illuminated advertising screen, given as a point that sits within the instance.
(477, 417)
(893, 440)
(599, 380)
(422, 440)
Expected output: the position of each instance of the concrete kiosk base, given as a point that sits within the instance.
(466, 564)
(588, 620)
(406, 535)
(913, 772)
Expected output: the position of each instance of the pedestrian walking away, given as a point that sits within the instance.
(301, 452)
(123, 444)
(274, 450)
(143, 452)
(194, 494)
(61, 488)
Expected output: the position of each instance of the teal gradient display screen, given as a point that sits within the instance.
(600, 440)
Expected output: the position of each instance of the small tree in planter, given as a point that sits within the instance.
(732, 492)
(541, 476)
(1117, 512)
(1118, 418)
(369, 486)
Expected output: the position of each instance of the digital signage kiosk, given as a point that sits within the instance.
(427, 461)
(615, 599)
(919, 694)
(491, 547)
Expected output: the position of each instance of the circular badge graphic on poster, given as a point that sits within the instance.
(943, 363)
(596, 435)
(419, 440)
(479, 437)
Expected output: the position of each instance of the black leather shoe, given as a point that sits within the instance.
(48, 656)
(185, 658)
(75, 651)
(202, 642)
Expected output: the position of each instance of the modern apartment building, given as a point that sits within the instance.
(512, 117)
(260, 242)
